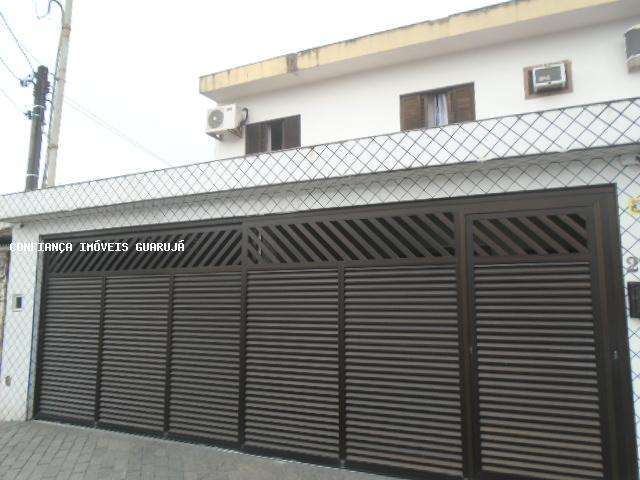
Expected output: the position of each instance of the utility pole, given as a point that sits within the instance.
(40, 90)
(49, 177)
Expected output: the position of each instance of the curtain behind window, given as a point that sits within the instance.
(437, 110)
(442, 110)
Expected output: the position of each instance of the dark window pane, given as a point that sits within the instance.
(291, 132)
(276, 135)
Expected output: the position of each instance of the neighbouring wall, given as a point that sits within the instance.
(4, 272)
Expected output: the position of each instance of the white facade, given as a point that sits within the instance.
(368, 103)
(559, 148)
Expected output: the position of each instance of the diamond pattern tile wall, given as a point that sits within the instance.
(569, 129)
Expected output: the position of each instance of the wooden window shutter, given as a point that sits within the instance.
(462, 100)
(255, 141)
(291, 132)
(266, 140)
(411, 112)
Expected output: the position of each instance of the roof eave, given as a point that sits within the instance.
(490, 25)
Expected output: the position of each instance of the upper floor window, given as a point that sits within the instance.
(436, 108)
(273, 135)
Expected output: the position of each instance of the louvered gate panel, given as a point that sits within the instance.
(204, 356)
(402, 363)
(133, 372)
(538, 385)
(70, 346)
(292, 362)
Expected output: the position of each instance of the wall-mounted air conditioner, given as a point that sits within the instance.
(549, 77)
(223, 119)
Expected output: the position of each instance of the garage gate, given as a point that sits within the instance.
(477, 338)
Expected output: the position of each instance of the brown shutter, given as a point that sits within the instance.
(204, 356)
(292, 362)
(255, 141)
(70, 350)
(291, 132)
(134, 352)
(538, 398)
(402, 364)
(411, 112)
(462, 101)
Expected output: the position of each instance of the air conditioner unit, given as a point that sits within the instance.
(549, 77)
(632, 40)
(223, 118)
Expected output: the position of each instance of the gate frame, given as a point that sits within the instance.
(606, 232)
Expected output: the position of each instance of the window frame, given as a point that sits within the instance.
(269, 122)
(435, 91)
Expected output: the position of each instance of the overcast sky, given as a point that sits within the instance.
(136, 65)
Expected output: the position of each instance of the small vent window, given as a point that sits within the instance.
(17, 302)
(529, 91)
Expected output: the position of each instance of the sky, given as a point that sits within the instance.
(135, 65)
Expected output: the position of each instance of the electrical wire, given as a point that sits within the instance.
(24, 53)
(11, 100)
(76, 105)
(100, 122)
(6, 65)
(40, 17)
(113, 130)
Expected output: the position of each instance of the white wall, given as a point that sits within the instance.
(367, 103)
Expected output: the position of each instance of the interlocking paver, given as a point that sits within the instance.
(48, 451)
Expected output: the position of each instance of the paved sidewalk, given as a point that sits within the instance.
(41, 450)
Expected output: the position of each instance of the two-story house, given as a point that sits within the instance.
(416, 253)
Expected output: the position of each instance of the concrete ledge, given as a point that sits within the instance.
(496, 23)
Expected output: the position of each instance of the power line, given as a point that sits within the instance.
(40, 17)
(13, 74)
(100, 122)
(113, 130)
(81, 109)
(24, 53)
(11, 100)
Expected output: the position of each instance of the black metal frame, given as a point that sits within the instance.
(613, 365)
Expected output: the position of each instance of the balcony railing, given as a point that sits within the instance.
(608, 124)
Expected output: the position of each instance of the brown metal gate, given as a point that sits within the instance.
(475, 338)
